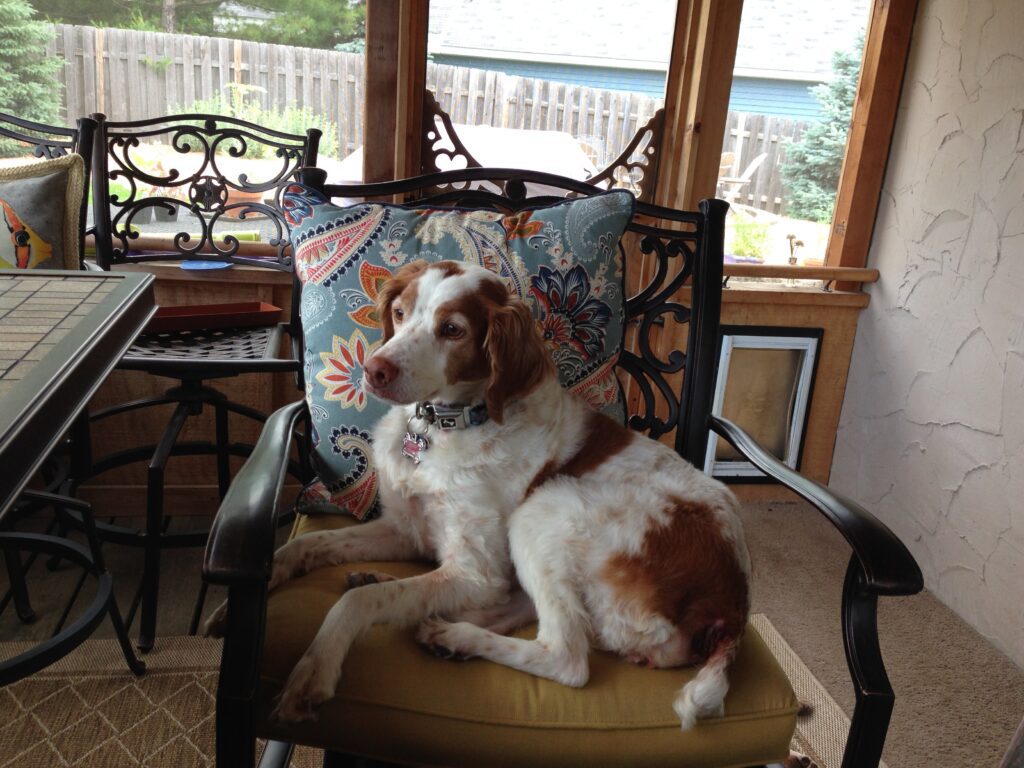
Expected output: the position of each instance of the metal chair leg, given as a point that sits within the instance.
(19, 590)
(154, 526)
(97, 567)
(53, 562)
(197, 610)
(135, 664)
(223, 456)
(151, 557)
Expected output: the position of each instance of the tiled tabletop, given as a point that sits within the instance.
(61, 332)
(36, 313)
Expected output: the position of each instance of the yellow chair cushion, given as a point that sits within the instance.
(400, 704)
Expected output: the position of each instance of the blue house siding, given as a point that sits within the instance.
(606, 78)
(791, 99)
(783, 98)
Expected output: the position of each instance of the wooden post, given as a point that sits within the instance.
(236, 46)
(396, 75)
(379, 111)
(411, 84)
(696, 100)
(101, 90)
(867, 147)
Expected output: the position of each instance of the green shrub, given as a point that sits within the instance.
(29, 87)
(242, 101)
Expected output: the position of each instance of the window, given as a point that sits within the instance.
(564, 93)
(790, 108)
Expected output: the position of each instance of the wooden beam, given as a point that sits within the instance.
(867, 148)
(380, 109)
(697, 99)
(412, 82)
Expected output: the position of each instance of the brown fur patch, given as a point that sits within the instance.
(688, 572)
(519, 358)
(546, 472)
(467, 357)
(403, 285)
(450, 268)
(603, 438)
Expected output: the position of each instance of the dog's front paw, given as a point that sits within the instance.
(444, 640)
(309, 685)
(217, 623)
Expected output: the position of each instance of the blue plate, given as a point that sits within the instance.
(198, 264)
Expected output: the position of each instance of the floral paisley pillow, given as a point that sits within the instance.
(562, 259)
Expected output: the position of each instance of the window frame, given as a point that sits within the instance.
(696, 106)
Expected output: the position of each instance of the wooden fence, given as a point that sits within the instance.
(604, 121)
(747, 137)
(131, 75)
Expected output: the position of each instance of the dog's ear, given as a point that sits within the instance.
(391, 290)
(519, 359)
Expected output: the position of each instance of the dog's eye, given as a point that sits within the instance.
(451, 331)
(398, 314)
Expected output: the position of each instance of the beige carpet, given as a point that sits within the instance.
(958, 700)
(87, 711)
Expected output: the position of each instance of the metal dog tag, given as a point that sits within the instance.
(413, 446)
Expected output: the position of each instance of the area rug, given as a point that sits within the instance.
(87, 711)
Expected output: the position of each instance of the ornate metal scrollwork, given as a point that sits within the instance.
(440, 140)
(636, 167)
(208, 193)
(202, 183)
(44, 141)
(663, 265)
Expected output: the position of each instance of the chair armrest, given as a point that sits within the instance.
(888, 566)
(241, 543)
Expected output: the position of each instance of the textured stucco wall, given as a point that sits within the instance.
(932, 432)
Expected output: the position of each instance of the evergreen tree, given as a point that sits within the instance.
(811, 170)
(28, 84)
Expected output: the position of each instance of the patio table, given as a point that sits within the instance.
(61, 333)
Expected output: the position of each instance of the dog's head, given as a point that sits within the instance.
(453, 334)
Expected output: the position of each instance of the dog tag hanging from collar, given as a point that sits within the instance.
(413, 445)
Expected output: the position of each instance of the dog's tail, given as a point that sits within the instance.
(704, 696)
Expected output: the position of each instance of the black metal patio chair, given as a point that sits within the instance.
(53, 141)
(193, 167)
(675, 262)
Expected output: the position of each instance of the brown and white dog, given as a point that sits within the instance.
(616, 541)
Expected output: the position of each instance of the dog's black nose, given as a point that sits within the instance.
(380, 371)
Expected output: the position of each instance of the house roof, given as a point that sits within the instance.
(782, 39)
